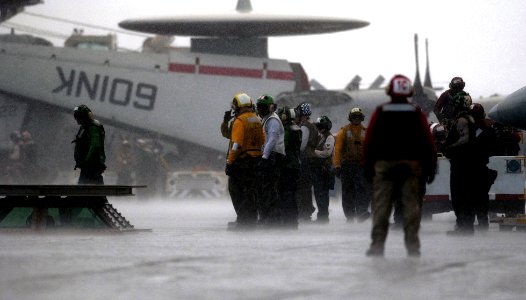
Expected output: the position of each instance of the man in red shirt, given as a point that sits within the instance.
(400, 155)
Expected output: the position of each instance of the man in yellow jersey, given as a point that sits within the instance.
(348, 164)
(247, 139)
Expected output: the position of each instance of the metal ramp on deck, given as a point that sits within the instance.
(41, 207)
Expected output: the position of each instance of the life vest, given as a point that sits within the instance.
(312, 142)
(89, 145)
(247, 137)
(353, 143)
(326, 161)
(463, 152)
(292, 146)
(393, 143)
(279, 147)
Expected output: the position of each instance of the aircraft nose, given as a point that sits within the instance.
(494, 113)
(512, 110)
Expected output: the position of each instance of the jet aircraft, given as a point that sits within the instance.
(512, 110)
(336, 104)
(177, 95)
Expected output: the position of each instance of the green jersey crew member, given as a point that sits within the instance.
(309, 141)
(324, 174)
(269, 206)
(289, 168)
(89, 154)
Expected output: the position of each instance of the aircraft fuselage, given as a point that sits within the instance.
(180, 94)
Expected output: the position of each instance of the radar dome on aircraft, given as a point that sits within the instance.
(241, 24)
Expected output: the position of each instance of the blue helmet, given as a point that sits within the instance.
(304, 109)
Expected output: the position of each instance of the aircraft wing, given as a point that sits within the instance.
(9, 8)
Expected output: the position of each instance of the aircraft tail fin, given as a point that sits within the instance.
(316, 85)
(354, 85)
(417, 83)
(377, 82)
(244, 6)
(427, 79)
(421, 97)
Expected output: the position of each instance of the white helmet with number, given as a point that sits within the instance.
(400, 86)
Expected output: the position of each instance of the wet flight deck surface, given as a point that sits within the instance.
(190, 254)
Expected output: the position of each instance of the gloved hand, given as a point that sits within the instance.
(227, 116)
(338, 172)
(430, 178)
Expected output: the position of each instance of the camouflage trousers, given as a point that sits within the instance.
(397, 180)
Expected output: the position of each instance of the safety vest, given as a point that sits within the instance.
(400, 134)
(327, 161)
(292, 146)
(247, 137)
(462, 153)
(279, 147)
(89, 145)
(348, 147)
(312, 142)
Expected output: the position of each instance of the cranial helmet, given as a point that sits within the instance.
(304, 109)
(457, 83)
(286, 113)
(323, 122)
(241, 100)
(438, 130)
(265, 99)
(81, 112)
(265, 105)
(400, 86)
(356, 113)
(477, 111)
(462, 100)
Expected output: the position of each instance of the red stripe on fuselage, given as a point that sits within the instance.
(181, 68)
(228, 71)
(509, 197)
(235, 72)
(280, 75)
